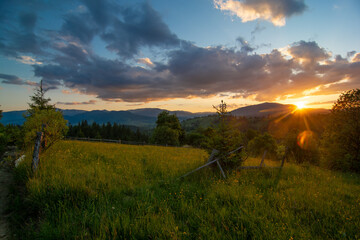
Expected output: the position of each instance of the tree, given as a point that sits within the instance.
(260, 143)
(341, 139)
(226, 138)
(42, 116)
(39, 102)
(168, 129)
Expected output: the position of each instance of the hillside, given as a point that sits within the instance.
(140, 117)
(110, 191)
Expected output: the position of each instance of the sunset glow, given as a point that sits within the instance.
(300, 105)
(97, 56)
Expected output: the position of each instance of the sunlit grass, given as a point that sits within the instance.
(109, 191)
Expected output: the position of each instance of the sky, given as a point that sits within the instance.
(179, 54)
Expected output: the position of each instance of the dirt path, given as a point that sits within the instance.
(5, 180)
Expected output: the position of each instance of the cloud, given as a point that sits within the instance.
(90, 102)
(69, 59)
(193, 71)
(28, 21)
(28, 60)
(139, 27)
(274, 11)
(146, 61)
(308, 52)
(12, 79)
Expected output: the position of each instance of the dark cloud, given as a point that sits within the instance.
(274, 11)
(28, 21)
(12, 79)
(80, 27)
(309, 52)
(244, 45)
(205, 72)
(139, 27)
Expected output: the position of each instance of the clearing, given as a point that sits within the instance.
(106, 191)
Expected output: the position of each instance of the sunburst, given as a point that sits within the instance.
(300, 105)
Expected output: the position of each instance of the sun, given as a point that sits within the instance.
(300, 105)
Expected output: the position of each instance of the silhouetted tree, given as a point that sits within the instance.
(168, 129)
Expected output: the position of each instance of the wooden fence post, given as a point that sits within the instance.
(35, 161)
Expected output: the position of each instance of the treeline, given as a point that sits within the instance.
(107, 131)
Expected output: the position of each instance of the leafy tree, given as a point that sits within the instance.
(43, 116)
(168, 129)
(55, 127)
(341, 139)
(260, 143)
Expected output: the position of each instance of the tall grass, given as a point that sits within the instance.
(110, 191)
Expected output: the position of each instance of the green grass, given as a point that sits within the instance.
(109, 191)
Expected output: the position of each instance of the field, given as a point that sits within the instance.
(110, 191)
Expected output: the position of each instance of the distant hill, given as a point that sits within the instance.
(154, 112)
(265, 112)
(145, 117)
(263, 109)
(271, 109)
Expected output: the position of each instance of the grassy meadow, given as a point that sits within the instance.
(110, 191)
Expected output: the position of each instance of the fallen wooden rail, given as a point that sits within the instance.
(211, 160)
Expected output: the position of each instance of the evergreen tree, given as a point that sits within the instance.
(43, 116)
(39, 102)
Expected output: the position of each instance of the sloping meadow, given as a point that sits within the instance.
(111, 191)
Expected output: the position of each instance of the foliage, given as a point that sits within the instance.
(261, 143)
(166, 136)
(110, 191)
(302, 146)
(43, 117)
(39, 102)
(54, 127)
(226, 138)
(3, 139)
(168, 129)
(15, 135)
(341, 140)
(107, 131)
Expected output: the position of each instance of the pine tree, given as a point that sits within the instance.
(38, 101)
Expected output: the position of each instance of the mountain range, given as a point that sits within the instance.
(146, 117)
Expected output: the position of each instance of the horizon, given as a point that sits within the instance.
(213, 112)
(118, 56)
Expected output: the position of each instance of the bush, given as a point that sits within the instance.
(261, 143)
(303, 146)
(165, 135)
